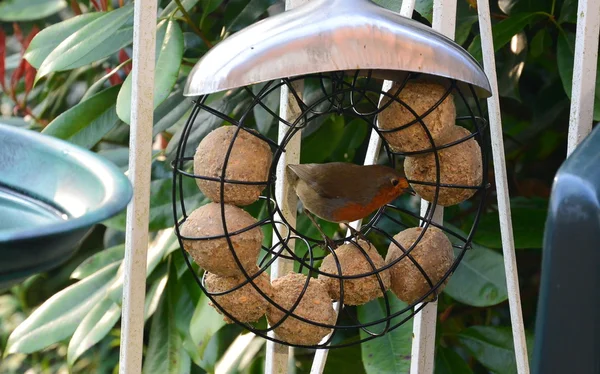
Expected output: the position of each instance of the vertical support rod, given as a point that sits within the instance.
(424, 323)
(506, 230)
(140, 145)
(278, 355)
(584, 72)
(371, 158)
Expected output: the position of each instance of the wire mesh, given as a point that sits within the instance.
(354, 95)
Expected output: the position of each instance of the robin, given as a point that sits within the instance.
(342, 192)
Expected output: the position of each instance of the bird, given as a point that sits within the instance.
(343, 192)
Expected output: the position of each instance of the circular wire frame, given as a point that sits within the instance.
(354, 97)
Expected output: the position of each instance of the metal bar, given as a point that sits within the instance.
(508, 247)
(140, 144)
(584, 73)
(424, 322)
(278, 356)
(371, 158)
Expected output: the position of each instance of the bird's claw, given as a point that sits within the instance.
(356, 233)
(330, 243)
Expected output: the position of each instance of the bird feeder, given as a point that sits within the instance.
(415, 90)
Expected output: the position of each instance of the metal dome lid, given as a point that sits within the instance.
(333, 35)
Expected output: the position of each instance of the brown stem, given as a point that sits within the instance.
(446, 313)
(188, 20)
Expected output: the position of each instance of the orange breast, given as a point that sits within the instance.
(354, 211)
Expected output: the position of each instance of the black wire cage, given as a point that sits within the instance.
(354, 95)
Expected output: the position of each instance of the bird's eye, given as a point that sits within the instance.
(395, 182)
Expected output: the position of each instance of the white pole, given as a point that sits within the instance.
(424, 323)
(371, 158)
(584, 72)
(140, 145)
(508, 247)
(278, 356)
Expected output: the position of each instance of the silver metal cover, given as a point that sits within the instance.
(332, 35)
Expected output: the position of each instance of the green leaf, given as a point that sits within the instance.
(354, 136)
(170, 111)
(565, 56)
(86, 123)
(447, 361)
(161, 204)
(100, 38)
(163, 242)
(169, 52)
(204, 324)
(165, 352)
(318, 146)
(537, 43)
(99, 261)
(528, 221)
(425, 9)
(510, 67)
(49, 38)
(568, 12)
(187, 5)
(264, 119)
(250, 13)
(100, 83)
(60, 315)
(466, 18)
(94, 327)
(491, 346)
(503, 32)
(207, 122)
(390, 353)
(345, 360)
(393, 5)
(118, 156)
(155, 293)
(29, 10)
(209, 6)
(479, 280)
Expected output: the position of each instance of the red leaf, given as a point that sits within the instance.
(34, 31)
(2, 58)
(114, 79)
(18, 33)
(123, 56)
(104, 4)
(17, 75)
(75, 7)
(96, 5)
(29, 77)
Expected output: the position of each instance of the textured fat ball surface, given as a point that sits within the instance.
(215, 255)
(245, 304)
(249, 161)
(353, 261)
(421, 97)
(315, 305)
(460, 164)
(433, 253)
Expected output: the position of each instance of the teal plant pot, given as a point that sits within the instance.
(51, 194)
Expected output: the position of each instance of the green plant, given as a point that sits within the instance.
(71, 80)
